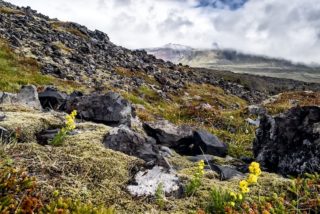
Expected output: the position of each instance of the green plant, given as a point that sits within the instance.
(160, 196)
(69, 126)
(65, 206)
(196, 181)
(218, 200)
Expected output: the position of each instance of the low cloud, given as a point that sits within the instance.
(278, 28)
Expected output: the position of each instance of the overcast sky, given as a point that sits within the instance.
(280, 28)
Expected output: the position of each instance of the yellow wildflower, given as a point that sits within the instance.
(243, 183)
(232, 204)
(240, 197)
(254, 168)
(252, 179)
(201, 167)
(244, 186)
(233, 195)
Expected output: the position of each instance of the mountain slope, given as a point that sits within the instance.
(72, 52)
(238, 62)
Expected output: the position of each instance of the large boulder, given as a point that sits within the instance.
(166, 133)
(51, 98)
(132, 143)
(184, 140)
(289, 144)
(201, 142)
(110, 109)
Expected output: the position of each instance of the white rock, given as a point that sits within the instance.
(148, 182)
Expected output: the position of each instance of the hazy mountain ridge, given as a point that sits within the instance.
(238, 62)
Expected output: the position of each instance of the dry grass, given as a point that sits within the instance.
(16, 71)
(64, 27)
(138, 74)
(287, 100)
(28, 123)
(10, 11)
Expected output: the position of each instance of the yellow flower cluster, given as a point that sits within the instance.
(201, 168)
(235, 197)
(255, 172)
(252, 178)
(254, 168)
(70, 121)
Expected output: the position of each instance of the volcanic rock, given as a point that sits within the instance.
(110, 109)
(289, 144)
(124, 140)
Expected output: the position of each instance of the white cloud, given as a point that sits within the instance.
(279, 28)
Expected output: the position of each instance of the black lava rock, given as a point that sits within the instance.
(289, 144)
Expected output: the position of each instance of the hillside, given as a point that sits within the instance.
(87, 126)
(234, 61)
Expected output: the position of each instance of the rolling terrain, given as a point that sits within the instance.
(234, 61)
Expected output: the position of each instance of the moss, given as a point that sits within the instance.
(137, 74)
(10, 11)
(16, 71)
(65, 27)
(285, 101)
(25, 125)
(63, 48)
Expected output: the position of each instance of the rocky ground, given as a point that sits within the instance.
(142, 127)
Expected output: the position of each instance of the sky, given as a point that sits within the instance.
(288, 29)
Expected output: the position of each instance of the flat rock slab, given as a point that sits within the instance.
(148, 181)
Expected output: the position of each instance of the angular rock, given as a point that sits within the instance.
(226, 172)
(51, 98)
(253, 122)
(147, 182)
(45, 136)
(166, 133)
(201, 142)
(289, 144)
(256, 110)
(2, 116)
(110, 109)
(7, 98)
(28, 95)
(124, 140)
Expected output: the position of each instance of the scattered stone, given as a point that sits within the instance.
(166, 133)
(4, 135)
(201, 142)
(253, 122)
(256, 110)
(124, 140)
(28, 95)
(201, 157)
(44, 137)
(110, 109)
(2, 116)
(8, 98)
(147, 182)
(226, 172)
(51, 98)
(289, 144)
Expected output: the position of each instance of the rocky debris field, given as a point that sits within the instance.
(158, 152)
(70, 51)
(147, 136)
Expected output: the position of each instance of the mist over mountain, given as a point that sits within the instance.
(235, 61)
